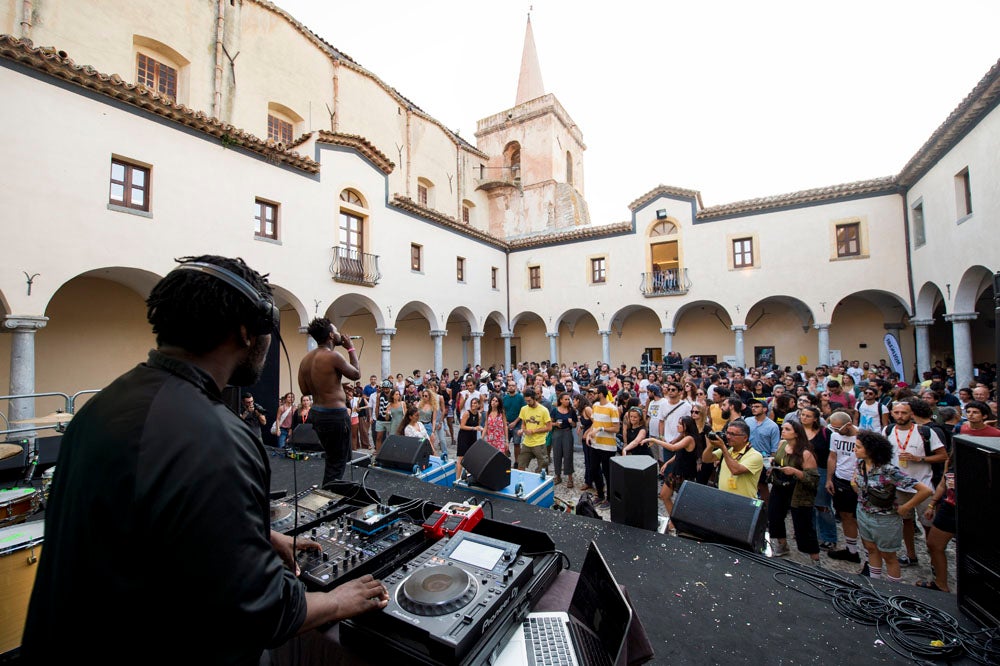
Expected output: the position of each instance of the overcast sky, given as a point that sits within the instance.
(735, 99)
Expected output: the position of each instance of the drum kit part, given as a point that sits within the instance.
(57, 419)
(20, 546)
(10, 450)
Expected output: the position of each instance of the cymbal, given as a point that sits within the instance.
(9, 451)
(54, 418)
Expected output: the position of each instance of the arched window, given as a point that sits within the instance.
(160, 68)
(664, 259)
(282, 123)
(350, 252)
(467, 211)
(425, 192)
(569, 168)
(512, 161)
(352, 197)
(663, 228)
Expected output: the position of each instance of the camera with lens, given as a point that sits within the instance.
(720, 436)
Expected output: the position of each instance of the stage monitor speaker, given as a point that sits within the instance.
(716, 516)
(304, 438)
(977, 491)
(404, 453)
(487, 466)
(633, 491)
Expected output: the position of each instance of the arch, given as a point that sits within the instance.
(501, 321)
(4, 304)
(285, 299)
(420, 308)
(974, 282)
(512, 161)
(801, 310)
(162, 49)
(139, 280)
(893, 307)
(665, 227)
(928, 299)
(716, 309)
(351, 196)
(467, 211)
(287, 112)
(617, 320)
(572, 317)
(351, 304)
(466, 315)
(526, 315)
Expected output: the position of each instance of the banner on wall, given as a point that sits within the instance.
(895, 355)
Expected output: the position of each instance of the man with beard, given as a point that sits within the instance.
(321, 375)
(157, 539)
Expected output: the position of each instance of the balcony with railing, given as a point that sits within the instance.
(354, 267)
(672, 282)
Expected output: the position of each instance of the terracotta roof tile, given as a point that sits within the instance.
(885, 185)
(361, 144)
(665, 189)
(409, 205)
(970, 111)
(577, 233)
(57, 64)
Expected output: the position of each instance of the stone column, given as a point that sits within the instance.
(477, 347)
(923, 345)
(386, 334)
(740, 358)
(438, 350)
(507, 361)
(824, 344)
(606, 346)
(962, 334)
(553, 348)
(668, 340)
(310, 343)
(22, 362)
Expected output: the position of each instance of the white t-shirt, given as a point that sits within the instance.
(643, 393)
(870, 416)
(857, 374)
(416, 430)
(675, 412)
(912, 442)
(843, 447)
(655, 416)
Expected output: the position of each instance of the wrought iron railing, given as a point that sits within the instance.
(665, 283)
(355, 267)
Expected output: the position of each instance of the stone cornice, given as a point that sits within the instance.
(59, 65)
(29, 323)
(528, 110)
(349, 62)
(885, 185)
(359, 143)
(983, 98)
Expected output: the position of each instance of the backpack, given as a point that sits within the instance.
(925, 434)
(585, 506)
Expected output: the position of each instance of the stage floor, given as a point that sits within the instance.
(700, 603)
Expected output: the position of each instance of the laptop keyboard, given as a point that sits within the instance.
(589, 647)
(547, 642)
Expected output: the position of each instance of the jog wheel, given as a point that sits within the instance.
(437, 591)
(282, 518)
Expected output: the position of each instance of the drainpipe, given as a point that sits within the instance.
(909, 263)
(335, 123)
(458, 175)
(220, 30)
(409, 116)
(26, 11)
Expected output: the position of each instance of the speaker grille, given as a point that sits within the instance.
(720, 517)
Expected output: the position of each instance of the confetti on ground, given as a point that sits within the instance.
(729, 575)
(879, 643)
(635, 559)
(736, 561)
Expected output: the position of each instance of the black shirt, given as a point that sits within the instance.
(157, 535)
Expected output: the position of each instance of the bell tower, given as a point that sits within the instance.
(534, 177)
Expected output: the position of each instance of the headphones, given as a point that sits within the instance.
(266, 315)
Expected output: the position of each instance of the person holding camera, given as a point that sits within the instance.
(794, 478)
(741, 463)
(252, 414)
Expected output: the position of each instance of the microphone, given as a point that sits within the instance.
(355, 337)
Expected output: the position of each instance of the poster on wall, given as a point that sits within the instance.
(763, 356)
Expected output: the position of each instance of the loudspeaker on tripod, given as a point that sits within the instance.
(633, 491)
(714, 515)
(487, 466)
(404, 453)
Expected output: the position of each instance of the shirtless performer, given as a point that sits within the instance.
(321, 374)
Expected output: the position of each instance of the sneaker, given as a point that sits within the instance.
(906, 561)
(845, 555)
(603, 505)
(779, 550)
(827, 545)
(865, 571)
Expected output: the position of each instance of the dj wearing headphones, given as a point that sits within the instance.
(158, 547)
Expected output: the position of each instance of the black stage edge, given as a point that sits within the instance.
(700, 603)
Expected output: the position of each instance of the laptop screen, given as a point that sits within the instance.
(600, 605)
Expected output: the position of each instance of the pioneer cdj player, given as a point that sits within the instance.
(315, 505)
(447, 599)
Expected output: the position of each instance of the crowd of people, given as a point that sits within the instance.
(825, 445)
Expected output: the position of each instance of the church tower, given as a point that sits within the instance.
(534, 177)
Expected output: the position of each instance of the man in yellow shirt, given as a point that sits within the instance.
(601, 439)
(535, 423)
(741, 463)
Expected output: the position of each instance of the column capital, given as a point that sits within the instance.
(922, 322)
(668, 331)
(385, 331)
(961, 316)
(506, 336)
(23, 323)
(893, 326)
(821, 327)
(552, 335)
(737, 328)
(605, 332)
(476, 334)
(438, 333)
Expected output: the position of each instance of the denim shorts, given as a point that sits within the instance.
(885, 530)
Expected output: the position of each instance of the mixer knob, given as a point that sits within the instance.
(326, 557)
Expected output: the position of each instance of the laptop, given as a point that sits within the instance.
(592, 633)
